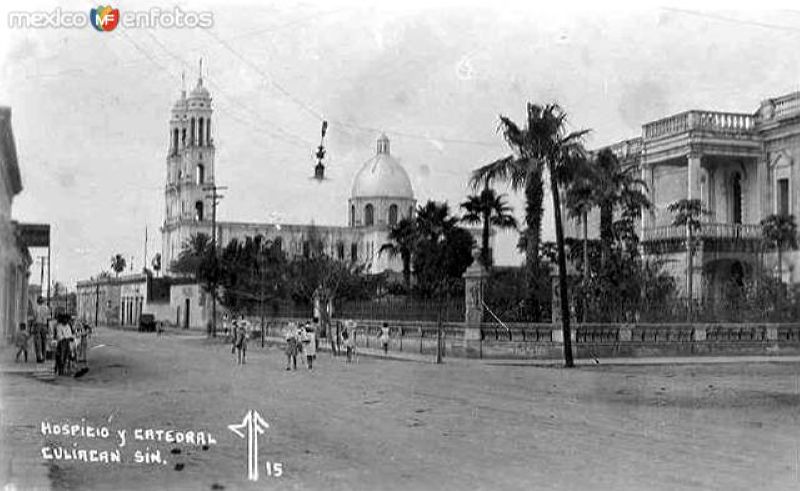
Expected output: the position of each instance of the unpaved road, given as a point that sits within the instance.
(383, 424)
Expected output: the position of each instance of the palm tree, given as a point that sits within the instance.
(615, 185)
(117, 264)
(542, 144)
(490, 210)
(403, 238)
(580, 200)
(687, 213)
(780, 232)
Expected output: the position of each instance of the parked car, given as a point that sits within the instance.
(147, 323)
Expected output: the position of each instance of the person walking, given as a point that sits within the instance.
(241, 335)
(234, 328)
(290, 335)
(40, 329)
(310, 346)
(63, 336)
(22, 339)
(384, 338)
(348, 337)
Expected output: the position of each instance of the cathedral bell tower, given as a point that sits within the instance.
(190, 170)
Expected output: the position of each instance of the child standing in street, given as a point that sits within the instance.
(22, 342)
(348, 336)
(291, 346)
(241, 336)
(310, 346)
(384, 338)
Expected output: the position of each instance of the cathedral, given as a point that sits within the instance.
(381, 195)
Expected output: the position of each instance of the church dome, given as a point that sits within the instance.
(382, 176)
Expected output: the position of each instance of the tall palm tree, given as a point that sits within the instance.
(402, 240)
(117, 264)
(687, 213)
(543, 143)
(580, 200)
(615, 185)
(491, 210)
(780, 232)
(434, 221)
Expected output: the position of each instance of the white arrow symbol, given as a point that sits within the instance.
(254, 424)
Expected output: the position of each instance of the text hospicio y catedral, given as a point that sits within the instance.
(121, 437)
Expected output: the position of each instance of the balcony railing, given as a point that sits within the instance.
(787, 105)
(718, 122)
(627, 148)
(708, 230)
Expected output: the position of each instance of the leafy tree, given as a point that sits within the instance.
(317, 276)
(490, 210)
(687, 213)
(117, 264)
(402, 241)
(198, 258)
(443, 250)
(780, 233)
(252, 274)
(543, 143)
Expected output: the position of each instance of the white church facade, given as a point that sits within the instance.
(381, 195)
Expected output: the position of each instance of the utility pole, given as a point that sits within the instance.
(144, 261)
(41, 274)
(97, 302)
(215, 198)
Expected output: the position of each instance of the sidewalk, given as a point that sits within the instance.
(42, 371)
(19, 472)
(665, 360)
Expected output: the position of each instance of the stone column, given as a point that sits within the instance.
(693, 175)
(474, 279)
(647, 177)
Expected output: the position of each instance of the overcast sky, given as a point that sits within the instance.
(91, 109)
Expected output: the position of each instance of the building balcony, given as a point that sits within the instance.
(732, 237)
(720, 123)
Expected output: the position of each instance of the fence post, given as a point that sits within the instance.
(473, 306)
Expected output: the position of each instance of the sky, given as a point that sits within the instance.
(90, 109)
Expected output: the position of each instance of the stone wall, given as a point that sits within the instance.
(544, 341)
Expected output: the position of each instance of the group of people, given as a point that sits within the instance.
(239, 332)
(301, 339)
(67, 339)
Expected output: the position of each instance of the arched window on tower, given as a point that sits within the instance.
(198, 211)
(208, 131)
(183, 137)
(369, 217)
(352, 215)
(201, 174)
(200, 132)
(392, 215)
(410, 212)
(175, 141)
(191, 132)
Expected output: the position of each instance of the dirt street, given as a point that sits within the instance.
(383, 424)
